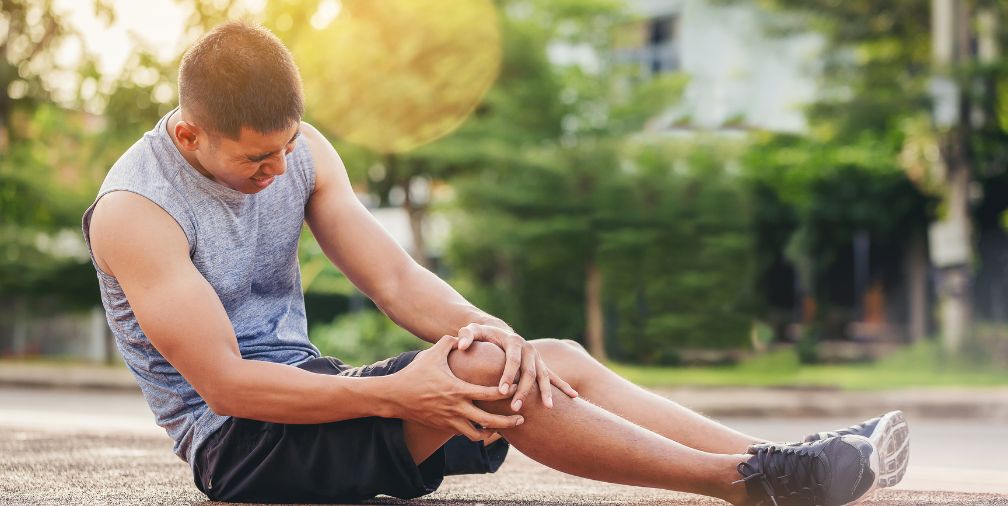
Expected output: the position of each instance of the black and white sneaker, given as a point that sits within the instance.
(828, 472)
(890, 434)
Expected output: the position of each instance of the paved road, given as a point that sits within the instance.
(78, 447)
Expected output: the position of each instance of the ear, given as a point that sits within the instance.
(187, 135)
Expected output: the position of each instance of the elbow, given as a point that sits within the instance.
(221, 395)
(220, 406)
(218, 401)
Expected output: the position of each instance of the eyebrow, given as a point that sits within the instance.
(263, 156)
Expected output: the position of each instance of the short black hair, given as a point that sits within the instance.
(240, 74)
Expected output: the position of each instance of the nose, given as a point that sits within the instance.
(274, 168)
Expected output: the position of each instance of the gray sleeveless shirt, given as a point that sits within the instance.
(246, 247)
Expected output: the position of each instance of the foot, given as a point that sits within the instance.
(828, 472)
(890, 435)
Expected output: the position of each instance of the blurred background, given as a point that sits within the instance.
(702, 192)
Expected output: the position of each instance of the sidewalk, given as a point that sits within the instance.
(986, 403)
(72, 375)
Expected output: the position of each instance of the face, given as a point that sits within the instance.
(248, 164)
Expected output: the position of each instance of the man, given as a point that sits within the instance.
(194, 237)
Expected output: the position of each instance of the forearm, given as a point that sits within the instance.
(428, 307)
(281, 393)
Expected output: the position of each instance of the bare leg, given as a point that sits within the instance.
(610, 391)
(585, 440)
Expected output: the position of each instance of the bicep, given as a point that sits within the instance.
(177, 309)
(346, 231)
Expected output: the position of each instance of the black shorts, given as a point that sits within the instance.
(346, 461)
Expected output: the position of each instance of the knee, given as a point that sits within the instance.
(480, 364)
(574, 344)
(559, 347)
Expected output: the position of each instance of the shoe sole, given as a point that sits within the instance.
(891, 438)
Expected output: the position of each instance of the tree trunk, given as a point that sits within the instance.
(594, 332)
(916, 274)
(955, 281)
(951, 238)
(416, 213)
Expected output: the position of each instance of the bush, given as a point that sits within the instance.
(363, 338)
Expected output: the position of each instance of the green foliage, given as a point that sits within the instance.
(552, 199)
(53, 154)
(677, 255)
(673, 248)
(845, 176)
(363, 337)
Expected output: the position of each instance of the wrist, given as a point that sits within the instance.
(384, 400)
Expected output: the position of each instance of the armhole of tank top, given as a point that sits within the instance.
(190, 237)
(307, 167)
(191, 214)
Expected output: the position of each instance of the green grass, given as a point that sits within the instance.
(923, 365)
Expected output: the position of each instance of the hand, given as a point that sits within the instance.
(520, 355)
(428, 392)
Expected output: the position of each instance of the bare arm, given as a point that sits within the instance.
(409, 294)
(141, 245)
(412, 296)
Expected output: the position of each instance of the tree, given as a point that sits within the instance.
(580, 216)
(56, 149)
(876, 107)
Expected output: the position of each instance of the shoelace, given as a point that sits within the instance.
(782, 471)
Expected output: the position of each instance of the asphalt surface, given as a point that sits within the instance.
(73, 447)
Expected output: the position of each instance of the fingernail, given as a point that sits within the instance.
(549, 403)
(520, 421)
(503, 388)
(516, 405)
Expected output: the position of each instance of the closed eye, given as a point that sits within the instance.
(287, 148)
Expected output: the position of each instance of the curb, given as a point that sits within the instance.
(932, 403)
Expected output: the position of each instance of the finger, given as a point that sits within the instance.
(513, 359)
(563, 385)
(525, 383)
(474, 433)
(466, 336)
(444, 345)
(482, 393)
(466, 428)
(543, 378)
(492, 421)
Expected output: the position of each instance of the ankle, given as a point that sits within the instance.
(731, 490)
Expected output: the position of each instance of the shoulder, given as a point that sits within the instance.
(329, 169)
(124, 224)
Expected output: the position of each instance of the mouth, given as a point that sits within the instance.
(263, 182)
